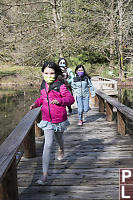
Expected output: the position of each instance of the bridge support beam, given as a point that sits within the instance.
(29, 144)
(101, 104)
(38, 131)
(109, 112)
(9, 185)
(121, 126)
(96, 103)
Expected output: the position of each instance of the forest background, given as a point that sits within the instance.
(95, 33)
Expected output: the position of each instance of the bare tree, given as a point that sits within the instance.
(57, 16)
(32, 31)
(120, 8)
(112, 36)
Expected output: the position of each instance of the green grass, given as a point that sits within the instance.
(8, 71)
(25, 71)
(20, 75)
(33, 74)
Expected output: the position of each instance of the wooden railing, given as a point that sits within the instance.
(24, 133)
(101, 82)
(104, 102)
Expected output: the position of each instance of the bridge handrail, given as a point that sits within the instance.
(101, 82)
(23, 133)
(103, 101)
(108, 82)
(100, 78)
(106, 79)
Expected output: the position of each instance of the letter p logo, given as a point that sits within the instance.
(126, 184)
(126, 174)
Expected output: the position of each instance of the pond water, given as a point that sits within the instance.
(14, 104)
(125, 96)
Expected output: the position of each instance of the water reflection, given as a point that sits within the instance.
(125, 96)
(13, 106)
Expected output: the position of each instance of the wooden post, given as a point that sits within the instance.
(101, 104)
(9, 185)
(101, 87)
(29, 144)
(38, 131)
(96, 104)
(115, 86)
(3, 193)
(109, 112)
(121, 123)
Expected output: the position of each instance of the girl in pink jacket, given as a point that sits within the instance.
(54, 99)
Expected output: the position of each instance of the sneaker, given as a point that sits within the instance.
(80, 123)
(60, 154)
(42, 180)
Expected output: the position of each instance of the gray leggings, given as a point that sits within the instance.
(49, 137)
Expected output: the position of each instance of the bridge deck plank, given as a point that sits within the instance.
(90, 168)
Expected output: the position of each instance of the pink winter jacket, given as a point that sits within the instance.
(52, 112)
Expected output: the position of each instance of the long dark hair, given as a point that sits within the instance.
(53, 66)
(81, 66)
(64, 81)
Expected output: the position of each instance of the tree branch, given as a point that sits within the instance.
(24, 4)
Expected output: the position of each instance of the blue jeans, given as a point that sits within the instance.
(83, 105)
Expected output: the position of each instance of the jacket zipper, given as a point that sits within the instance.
(48, 105)
(81, 88)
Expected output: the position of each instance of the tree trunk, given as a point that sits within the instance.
(112, 38)
(57, 26)
(120, 8)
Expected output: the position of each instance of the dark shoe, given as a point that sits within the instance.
(42, 180)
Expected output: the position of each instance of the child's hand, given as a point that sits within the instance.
(33, 106)
(54, 102)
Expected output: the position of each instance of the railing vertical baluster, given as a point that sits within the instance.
(3, 195)
(101, 87)
(101, 104)
(38, 131)
(109, 112)
(9, 185)
(115, 86)
(121, 123)
(96, 101)
(29, 144)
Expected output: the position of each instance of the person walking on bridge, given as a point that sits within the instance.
(67, 74)
(53, 101)
(81, 85)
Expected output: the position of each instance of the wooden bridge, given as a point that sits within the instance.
(94, 153)
(108, 86)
